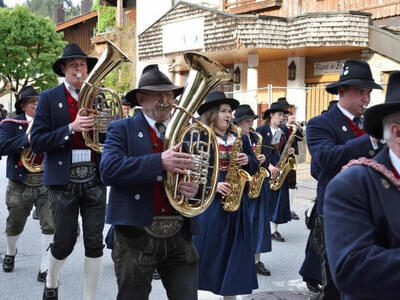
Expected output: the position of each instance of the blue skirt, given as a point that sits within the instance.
(279, 204)
(226, 265)
(260, 217)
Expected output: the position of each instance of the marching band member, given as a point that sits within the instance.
(70, 172)
(24, 188)
(126, 107)
(361, 208)
(334, 138)
(225, 242)
(134, 164)
(274, 138)
(259, 210)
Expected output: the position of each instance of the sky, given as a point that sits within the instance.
(11, 3)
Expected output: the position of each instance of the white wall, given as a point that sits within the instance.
(296, 94)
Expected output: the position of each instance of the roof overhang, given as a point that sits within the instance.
(76, 20)
(384, 42)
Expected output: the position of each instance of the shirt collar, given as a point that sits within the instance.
(395, 160)
(152, 123)
(346, 112)
(71, 90)
(28, 118)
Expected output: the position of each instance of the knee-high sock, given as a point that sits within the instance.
(257, 257)
(46, 240)
(274, 227)
(230, 297)
(12, 244)
(92, 271)
(54, 269)
(292, 193)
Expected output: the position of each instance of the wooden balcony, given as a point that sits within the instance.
(248, 6)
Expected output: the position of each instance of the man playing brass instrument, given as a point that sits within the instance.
(149, 232)
(70, 172)
(24, 188)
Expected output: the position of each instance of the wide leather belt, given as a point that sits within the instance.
(165, 226)
(33, 179)
(83, 172)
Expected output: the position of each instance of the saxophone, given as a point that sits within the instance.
(236, 176)
(258, 178)
(286, 162)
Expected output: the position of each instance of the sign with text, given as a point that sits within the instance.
(183, 35)
(328, 67)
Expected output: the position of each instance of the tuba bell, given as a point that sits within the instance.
(28, 158)
(105, 102)
(197, 138)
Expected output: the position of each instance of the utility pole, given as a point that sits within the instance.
(119, 14)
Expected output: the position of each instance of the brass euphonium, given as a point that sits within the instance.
(28, 157)
(286, 162)
(105, 102)
(258, 178)
(236, 176)
(198, 139)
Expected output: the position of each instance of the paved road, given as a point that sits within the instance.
(284, 261)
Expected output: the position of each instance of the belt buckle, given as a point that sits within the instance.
(82, 172)
(33, 180)
(165, 226)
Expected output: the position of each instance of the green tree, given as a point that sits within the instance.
(29, 47)
(106, 20)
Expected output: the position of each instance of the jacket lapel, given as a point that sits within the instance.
(139, 137)
(341, 125)
(60, 105)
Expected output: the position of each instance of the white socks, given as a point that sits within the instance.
(12, 244)
(92, 270)
(54, 269)
(292, 193)
(257, 257)
(274, 227)
(230, 298)
(46, 241)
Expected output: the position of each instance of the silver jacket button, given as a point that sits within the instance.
(137, 197)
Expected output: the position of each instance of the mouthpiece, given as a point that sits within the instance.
(79, 75)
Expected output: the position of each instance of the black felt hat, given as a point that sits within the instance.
(354, 73)
(374, 115)
(124, 101)
(152, 79)
(244, 111)
(282, 101)
(72, 50)
(216, 98)
(25, 93)
(275, 107)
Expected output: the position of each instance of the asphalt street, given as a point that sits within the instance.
(284, 261)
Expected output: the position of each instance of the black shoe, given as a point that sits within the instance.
(294, 216)
(8, 263)
(156, 275)
(313, 286)
(35, 215)
(262, 270)
(277, 237)
(50, 294)
(41, 276)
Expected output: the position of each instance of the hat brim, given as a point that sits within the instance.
(270, 111)
(131, 95)
(362, 83)
(373, 118)
(207, 105)
(91, 62)
(237, 120)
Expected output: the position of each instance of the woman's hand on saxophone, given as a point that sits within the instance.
(83, 123)
(224, 188)
(242, 159)
(291, 151)
(273, 170)
(261, 159)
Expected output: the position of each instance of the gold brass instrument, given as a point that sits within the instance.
(28, 157)
(257, 180)
(286, 162)
(198, 139)
(236, 176)
(105, 102)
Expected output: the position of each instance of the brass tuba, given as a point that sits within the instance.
(198, 139)
(94, 97)
(258, 178)
(236, 176)
(28, 157)
(286, 162)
